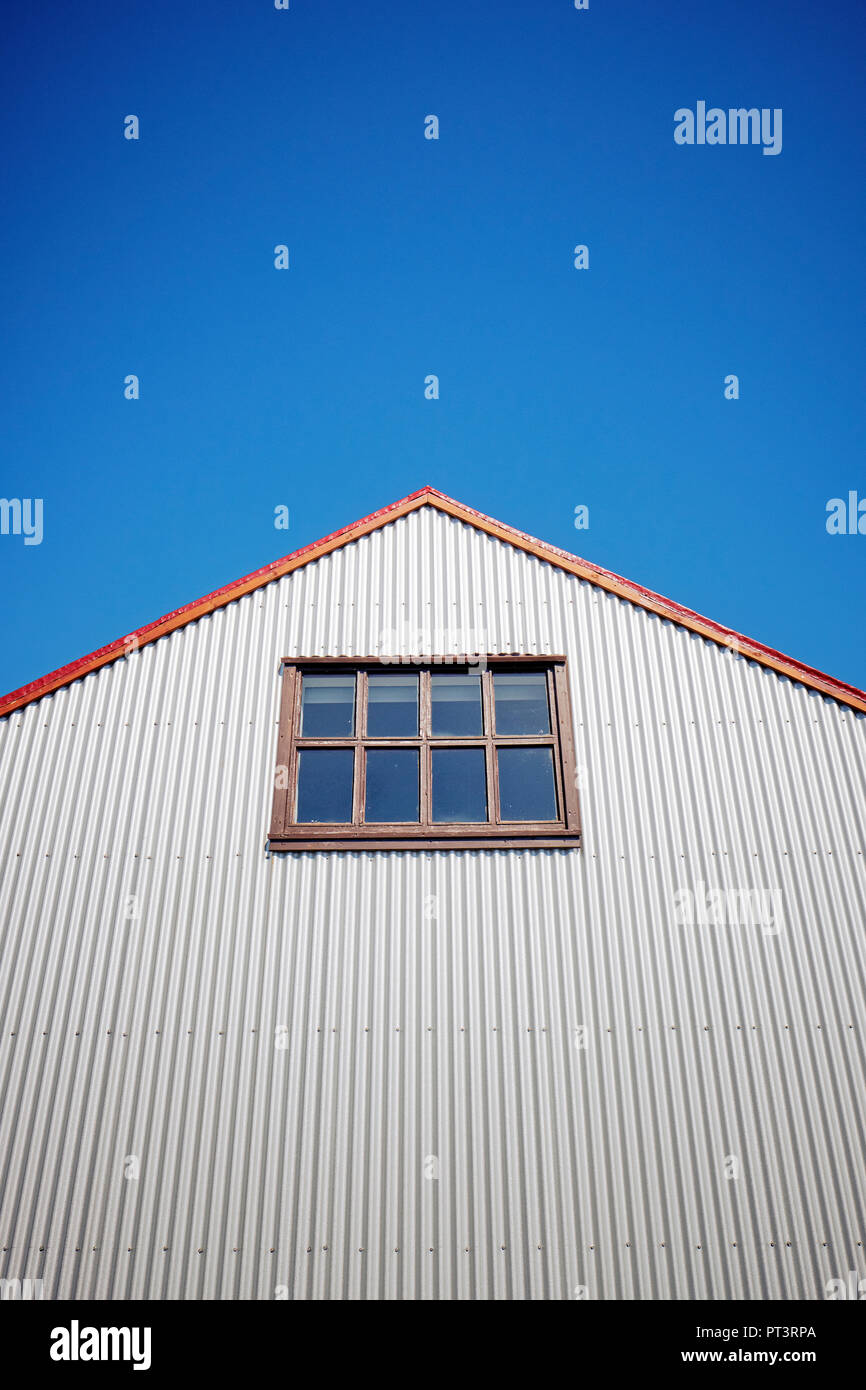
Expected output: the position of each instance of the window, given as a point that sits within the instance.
(412, 756)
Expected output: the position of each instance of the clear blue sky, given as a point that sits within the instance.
(408, 257)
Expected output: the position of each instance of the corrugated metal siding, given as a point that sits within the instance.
(433, 1127)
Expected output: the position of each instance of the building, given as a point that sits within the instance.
(606, 1043)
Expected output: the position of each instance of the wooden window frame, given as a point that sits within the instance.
(563, 833)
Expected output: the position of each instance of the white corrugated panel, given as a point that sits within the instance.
(507, 1074)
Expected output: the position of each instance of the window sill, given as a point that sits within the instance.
(562, 839)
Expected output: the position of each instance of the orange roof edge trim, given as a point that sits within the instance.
(431, 496)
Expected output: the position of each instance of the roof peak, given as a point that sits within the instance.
(431, 496)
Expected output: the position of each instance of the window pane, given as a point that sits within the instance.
(392, 785)
(527, 791)
(392, 706)
(325, 777)
(521, 702)
(456, 705)
(328, 706)
(459, 785)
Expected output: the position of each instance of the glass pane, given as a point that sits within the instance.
(328, 706)
(325, 777)
(456, 705)
(459, 785)
(521, 702)
(392, 706)
(527, 790)
(392, 784)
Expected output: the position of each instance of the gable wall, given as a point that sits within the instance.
(431, 1001)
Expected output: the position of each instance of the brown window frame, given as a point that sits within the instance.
(563, 833)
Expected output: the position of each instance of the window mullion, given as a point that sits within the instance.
(488, 715)
(487, 712)
(425, 761)
(492, 782)
(360, 784)
(425, 773)
(361, 705)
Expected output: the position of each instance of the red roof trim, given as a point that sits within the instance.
(625, 588)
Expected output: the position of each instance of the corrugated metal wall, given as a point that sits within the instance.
(458, 1075)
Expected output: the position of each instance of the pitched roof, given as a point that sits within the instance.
(430, 496)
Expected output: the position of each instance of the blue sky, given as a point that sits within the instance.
(305, 387)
